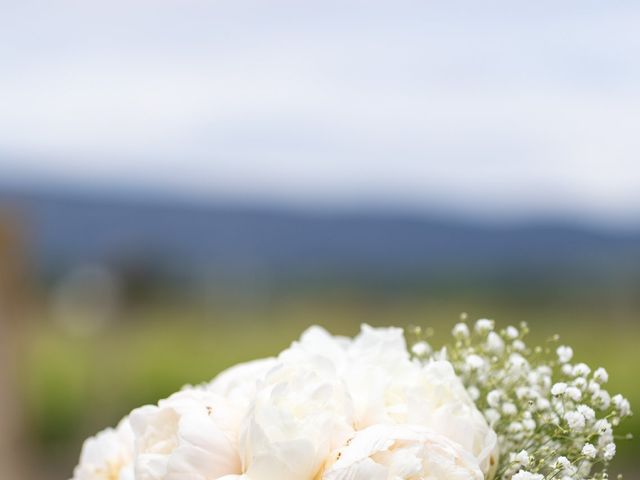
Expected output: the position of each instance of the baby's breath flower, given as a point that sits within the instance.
(460, 331)
(511, 332)
(509, 409)
(593, 387)
(602, 427)
(543, 404)
(581, 370)
(601, 399)
(580, 383)
(587, 412)
(537, 411)
(575, 420)
(522, 457)
(601, 375)
(565, 354)
(517, 361)
(609, 451)
(421, 348)
(529, 424)
(589, 451)
(475, 362)
(492, 415)
(494, 343)
(559, 388)
(523, 392)
(622, 405)
(562, 462)
(484, 326)
(515, 427)
(573, 393)
(493, 398)
(524, 475)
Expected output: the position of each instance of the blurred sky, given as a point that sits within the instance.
(504, 109)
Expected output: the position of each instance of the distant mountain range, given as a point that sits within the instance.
(180, 239)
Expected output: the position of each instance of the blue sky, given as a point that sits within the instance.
(502, 109)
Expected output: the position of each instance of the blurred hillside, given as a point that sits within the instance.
(177, 244)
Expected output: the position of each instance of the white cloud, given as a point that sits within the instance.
(507, 110)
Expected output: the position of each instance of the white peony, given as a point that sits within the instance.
(371, 365)
(239, 383)
(378, 371)
(190, 435)
(399, 452)
(301, 412)
(438, 400)
(288, 418)
(388, 387)
(108, 455)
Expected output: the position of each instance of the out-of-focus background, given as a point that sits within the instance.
(189, 184)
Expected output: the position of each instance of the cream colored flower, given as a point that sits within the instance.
(108, 455)
(438, 401)
(301, 412)
(402, 452)
(388, 387)
(238, 384)
(190, 435)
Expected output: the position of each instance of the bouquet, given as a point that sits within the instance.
(377, 407)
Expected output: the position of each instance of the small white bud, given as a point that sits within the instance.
(575, 420)
(512, 332)
(484, 325)
(522, 457)
(460, 331)
(601, 375)
(609, 451)
(421, 348)
(474, 361)
(573, 393)
(581, 370)
(622, 405)
(587, 412)
(509, 409)
(493, 398)
(495, 343)
(558, 388)
(565, 354)
(589, 451)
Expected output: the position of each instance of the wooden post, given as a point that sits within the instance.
(13, 302)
